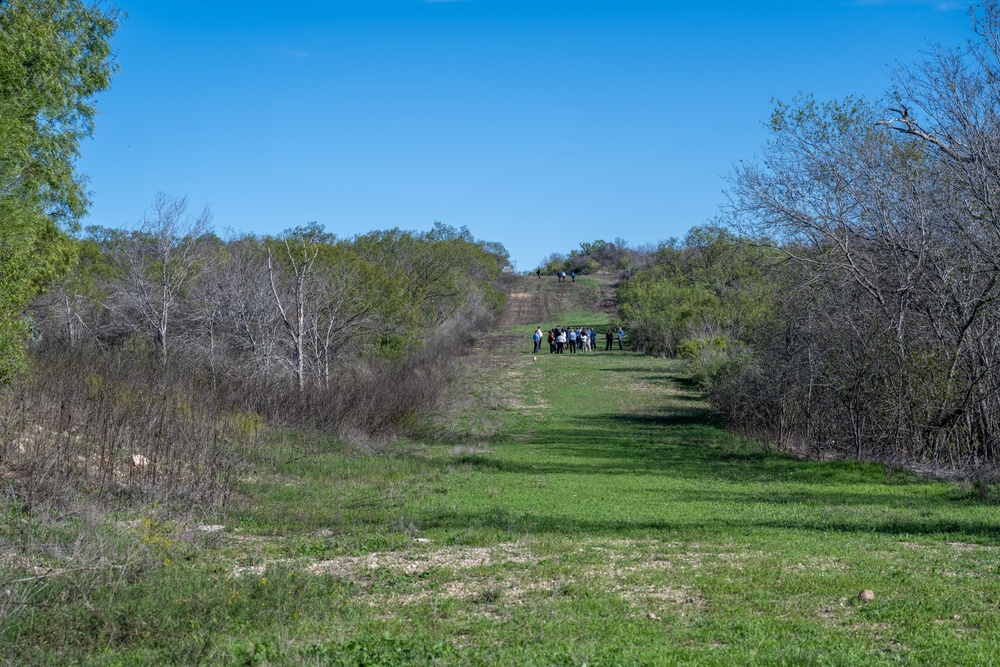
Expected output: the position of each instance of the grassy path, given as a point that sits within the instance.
(618, 523)
(589, 511)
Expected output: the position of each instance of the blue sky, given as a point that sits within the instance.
(536, 123)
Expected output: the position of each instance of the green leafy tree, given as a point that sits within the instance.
(710, 289)
(55, 56)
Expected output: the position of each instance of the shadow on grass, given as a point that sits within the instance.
(648, 422)
(675, 462)
(687, 457)
(675, 380)
(700, 459)
(501, 520)
(689, 443)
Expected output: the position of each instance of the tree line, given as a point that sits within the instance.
(597, 256)
(301, 313)
(167, 353)
(851, 304)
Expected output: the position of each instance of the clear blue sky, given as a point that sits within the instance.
(536, 123)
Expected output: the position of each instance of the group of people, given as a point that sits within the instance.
(561, 275)
(572, 339)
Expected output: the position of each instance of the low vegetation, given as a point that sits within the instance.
(580, 509)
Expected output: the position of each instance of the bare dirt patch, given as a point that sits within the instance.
(458, 558)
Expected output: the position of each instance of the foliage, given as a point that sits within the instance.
(54, 57)
(592, 257)
(712, 287)
(301, 327)
(883, 343)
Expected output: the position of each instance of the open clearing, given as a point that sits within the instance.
(574, 509)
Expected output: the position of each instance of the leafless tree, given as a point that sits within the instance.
(290, 280)
(167, 249)
(890, 212)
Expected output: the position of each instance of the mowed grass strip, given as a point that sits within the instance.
(610, 519)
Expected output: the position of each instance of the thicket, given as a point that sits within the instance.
(872, 328)
(598, 256)
(699, 295)
(161, 356)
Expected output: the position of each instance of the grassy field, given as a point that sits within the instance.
(567, 510)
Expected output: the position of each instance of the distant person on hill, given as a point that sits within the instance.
(610, 336)
(573, 276)
(537, 337)
(621, 337)
(539, 272)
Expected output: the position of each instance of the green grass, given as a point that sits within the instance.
(610, 520)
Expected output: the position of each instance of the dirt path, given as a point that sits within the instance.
(533, 301)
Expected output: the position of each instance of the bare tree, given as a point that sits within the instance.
(290, 287)
(255, 324)
(346, 307)
(167, 249)
(894, 227)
